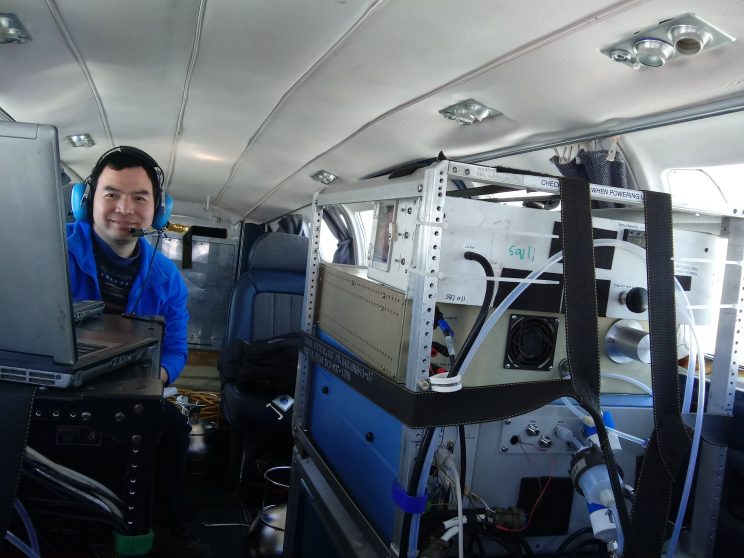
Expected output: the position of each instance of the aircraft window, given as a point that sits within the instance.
(720, 183)
(364, 218)
(328, 243)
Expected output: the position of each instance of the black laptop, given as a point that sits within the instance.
(39, 343)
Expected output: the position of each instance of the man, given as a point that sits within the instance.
(110, 260)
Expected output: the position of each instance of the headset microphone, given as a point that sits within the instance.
(137, 232)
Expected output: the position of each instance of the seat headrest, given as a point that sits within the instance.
(278, 251)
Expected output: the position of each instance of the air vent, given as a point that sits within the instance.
(25, 376)
(530, 342)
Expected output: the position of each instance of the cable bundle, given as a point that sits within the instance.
(71, 495)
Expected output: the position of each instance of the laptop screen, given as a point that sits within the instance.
(34, 286)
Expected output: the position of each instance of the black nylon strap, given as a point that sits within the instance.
(663, 470)
(16, 401)
(420, 409)
(580, 290)
(582, 331)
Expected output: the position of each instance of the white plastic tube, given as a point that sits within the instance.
(460, 532)
(688, 314)
(629, 380)
(501, 308)
(493, 318)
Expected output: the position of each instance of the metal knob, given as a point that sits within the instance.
(532, 430)
(635, 300)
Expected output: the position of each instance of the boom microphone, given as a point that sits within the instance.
(137, 232)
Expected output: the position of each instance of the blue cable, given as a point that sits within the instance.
(20, 545)
(26, 519)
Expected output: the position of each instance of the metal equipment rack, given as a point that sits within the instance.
(345, 521)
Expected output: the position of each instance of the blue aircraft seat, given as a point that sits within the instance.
(266, 301)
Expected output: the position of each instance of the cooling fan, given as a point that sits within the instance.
(530, 342)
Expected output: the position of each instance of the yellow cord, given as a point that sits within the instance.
(209, 401)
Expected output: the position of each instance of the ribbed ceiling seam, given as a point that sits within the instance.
(357, 25)
(509, 57)
(51, 4)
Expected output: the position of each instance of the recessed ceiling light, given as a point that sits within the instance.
(324, 177)
(689, 39)
(12, 30)
(653, 52)
(654, 46)
(81, 140)
(468, 112)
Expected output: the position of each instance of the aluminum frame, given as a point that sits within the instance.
(430, 187)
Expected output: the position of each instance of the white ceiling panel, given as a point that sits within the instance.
(565, 85)
(242, 100)
(405, 50)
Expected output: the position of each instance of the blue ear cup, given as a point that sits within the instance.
(79, 201)
(163, 212)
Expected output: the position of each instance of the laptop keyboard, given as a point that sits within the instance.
(83, 309)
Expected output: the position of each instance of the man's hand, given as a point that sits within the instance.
(163, 376)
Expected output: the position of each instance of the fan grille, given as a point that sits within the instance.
(530, 342)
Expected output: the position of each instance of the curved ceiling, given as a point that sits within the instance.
(241, 101)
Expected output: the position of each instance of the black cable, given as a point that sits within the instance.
(583, 544)
(463, 457)
(509, 544)
(526, 548)
(147, 275)
(416, 472)
(568, 540)
(482, 315)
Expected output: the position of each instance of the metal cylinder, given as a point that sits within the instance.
(626, 340)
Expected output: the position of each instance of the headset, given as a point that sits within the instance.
(84, 191)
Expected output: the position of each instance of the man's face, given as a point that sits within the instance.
(123, 200)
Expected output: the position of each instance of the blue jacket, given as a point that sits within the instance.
(164, 295)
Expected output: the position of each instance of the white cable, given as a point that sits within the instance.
(629, 380)
(580, 413)
(445, 462)
(625, 436)
(672, 546)
(460, 522)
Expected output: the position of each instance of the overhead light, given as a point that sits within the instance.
(12, 30)
(689, 39)
(653, 52)
(81, 140)
(468, 112)
(324, 177)
(653, 47)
